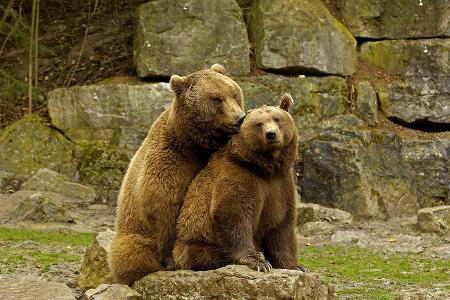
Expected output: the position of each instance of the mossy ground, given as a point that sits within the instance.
(360, 273)
(24, 248)
(357, 273)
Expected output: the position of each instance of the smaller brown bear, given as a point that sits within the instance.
(240, 209)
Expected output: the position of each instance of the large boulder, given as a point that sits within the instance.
(94, 268)
(48, 180)
(299, 36)
(29, 144)
(311, 212)
(39, 208)
(315, 98)
(422, 92)
(234, 282)
(399, 19)
(180, 37)
(111, 112)
(370, 172)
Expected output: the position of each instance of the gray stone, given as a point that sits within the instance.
(5, 179)
(370, 172)
(309, 212)
(48, 180)
(349, 236)
(417, 99)
(108, 112)
(94, 268)
(333, 175)
(316, 228)
(300, 36)
(434, 219)
(234, 282)
(29, 144)
(39, 208)
(112, 292)
(366, 102)
(27, 287)
(398, 19)
(421, 294)
(181, 37)
(315, 98)
(429, 163)
(423, 91)
(425, 58)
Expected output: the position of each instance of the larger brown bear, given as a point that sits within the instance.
(207, 109)
(240, 209)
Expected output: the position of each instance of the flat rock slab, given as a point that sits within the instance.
(234, 282)
(112, 292)
(33, 288)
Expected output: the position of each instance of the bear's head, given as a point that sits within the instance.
(209, 106)
(269, 129)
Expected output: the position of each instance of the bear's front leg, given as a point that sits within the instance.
(233, 212)
(280, 246)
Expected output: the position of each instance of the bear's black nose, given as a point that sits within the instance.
(271, 136)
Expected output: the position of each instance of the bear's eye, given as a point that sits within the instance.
(259, 124)
(217, 100)
(277, 120)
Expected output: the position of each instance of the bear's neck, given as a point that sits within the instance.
(266, 164)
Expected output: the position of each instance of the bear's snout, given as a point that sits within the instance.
(271, 136)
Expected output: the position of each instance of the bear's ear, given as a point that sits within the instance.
(178, 84)
(286, 102)
(219, 69)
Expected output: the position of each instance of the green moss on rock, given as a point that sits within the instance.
(29, 144)
(103, 166)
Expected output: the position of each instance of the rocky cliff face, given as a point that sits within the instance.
(370, 80)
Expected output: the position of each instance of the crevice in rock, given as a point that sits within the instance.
(156, 79)
(422, 125)
(361, 40)
(299, 71)
(61, 132)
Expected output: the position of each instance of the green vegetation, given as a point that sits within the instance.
(14, 258)
(374, 275)
(57, 248)
(45, 237)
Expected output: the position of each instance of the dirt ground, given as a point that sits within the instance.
(389, 237)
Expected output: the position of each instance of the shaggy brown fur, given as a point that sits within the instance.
(207, 109)
(243, 202)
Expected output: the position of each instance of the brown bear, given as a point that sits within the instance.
(240, 209)
(207, 110)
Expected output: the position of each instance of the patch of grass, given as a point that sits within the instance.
(373, 270)
(45, 237)
(367, 293)
(14, 258)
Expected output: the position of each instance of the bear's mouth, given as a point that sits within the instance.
(231, 130)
